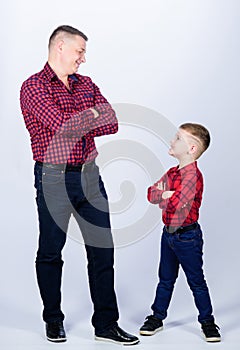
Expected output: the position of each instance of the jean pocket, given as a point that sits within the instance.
(52, 176)
(189, 236)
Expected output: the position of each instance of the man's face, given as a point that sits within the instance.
(73, 51)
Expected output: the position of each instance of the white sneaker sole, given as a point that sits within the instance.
(212, 339)
(59, 340)
(115, 341)
(151, 332)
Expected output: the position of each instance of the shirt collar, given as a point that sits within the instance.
(51, 75)
(73, 77)
(49, 72)
(188, 167)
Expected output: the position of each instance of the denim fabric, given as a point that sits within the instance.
(183, 249)
(84, 196)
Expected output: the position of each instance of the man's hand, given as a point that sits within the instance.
(96, 114)
(167, 194)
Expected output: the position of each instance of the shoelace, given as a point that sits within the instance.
(211, 327)
(152, 320)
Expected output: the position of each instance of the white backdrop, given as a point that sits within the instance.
(177, 57)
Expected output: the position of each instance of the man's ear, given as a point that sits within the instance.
(59, 46)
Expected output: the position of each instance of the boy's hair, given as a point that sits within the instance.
(201, 133)
(68, 30)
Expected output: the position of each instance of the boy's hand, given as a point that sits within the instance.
(167, 194)
(160, 186)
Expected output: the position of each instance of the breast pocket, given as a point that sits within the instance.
(84, 99)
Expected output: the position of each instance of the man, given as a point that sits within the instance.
(63, 112)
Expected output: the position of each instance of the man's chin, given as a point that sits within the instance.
(75, 70)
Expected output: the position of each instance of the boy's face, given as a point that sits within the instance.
(182, 145)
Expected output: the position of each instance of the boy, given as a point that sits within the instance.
(179, 193)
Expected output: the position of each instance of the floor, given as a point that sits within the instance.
(178, 333)
(21, 327)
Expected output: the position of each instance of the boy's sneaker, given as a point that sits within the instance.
(151, 326)
(210, 331)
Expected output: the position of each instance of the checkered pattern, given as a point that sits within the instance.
(183, 207)
(61, 125)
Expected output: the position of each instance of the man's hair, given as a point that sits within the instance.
(199, 132)
(68, 30)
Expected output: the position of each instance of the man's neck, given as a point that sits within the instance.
(60, 74)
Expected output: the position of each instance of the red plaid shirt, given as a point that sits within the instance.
(182, 208)
(61, 125)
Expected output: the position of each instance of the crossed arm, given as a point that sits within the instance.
(165, 194)
(37, 101)
(178, 198)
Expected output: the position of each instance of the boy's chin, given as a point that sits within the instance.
(170, 152)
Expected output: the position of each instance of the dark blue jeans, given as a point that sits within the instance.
(59, 195)
(183, 249)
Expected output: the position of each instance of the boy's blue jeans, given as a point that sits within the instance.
(82, 194)
(183, 249)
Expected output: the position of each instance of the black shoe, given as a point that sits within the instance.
(117, 335)
(210, 331)
(151, 326)
(55, 332)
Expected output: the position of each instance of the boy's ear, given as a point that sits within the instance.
(193, 149)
